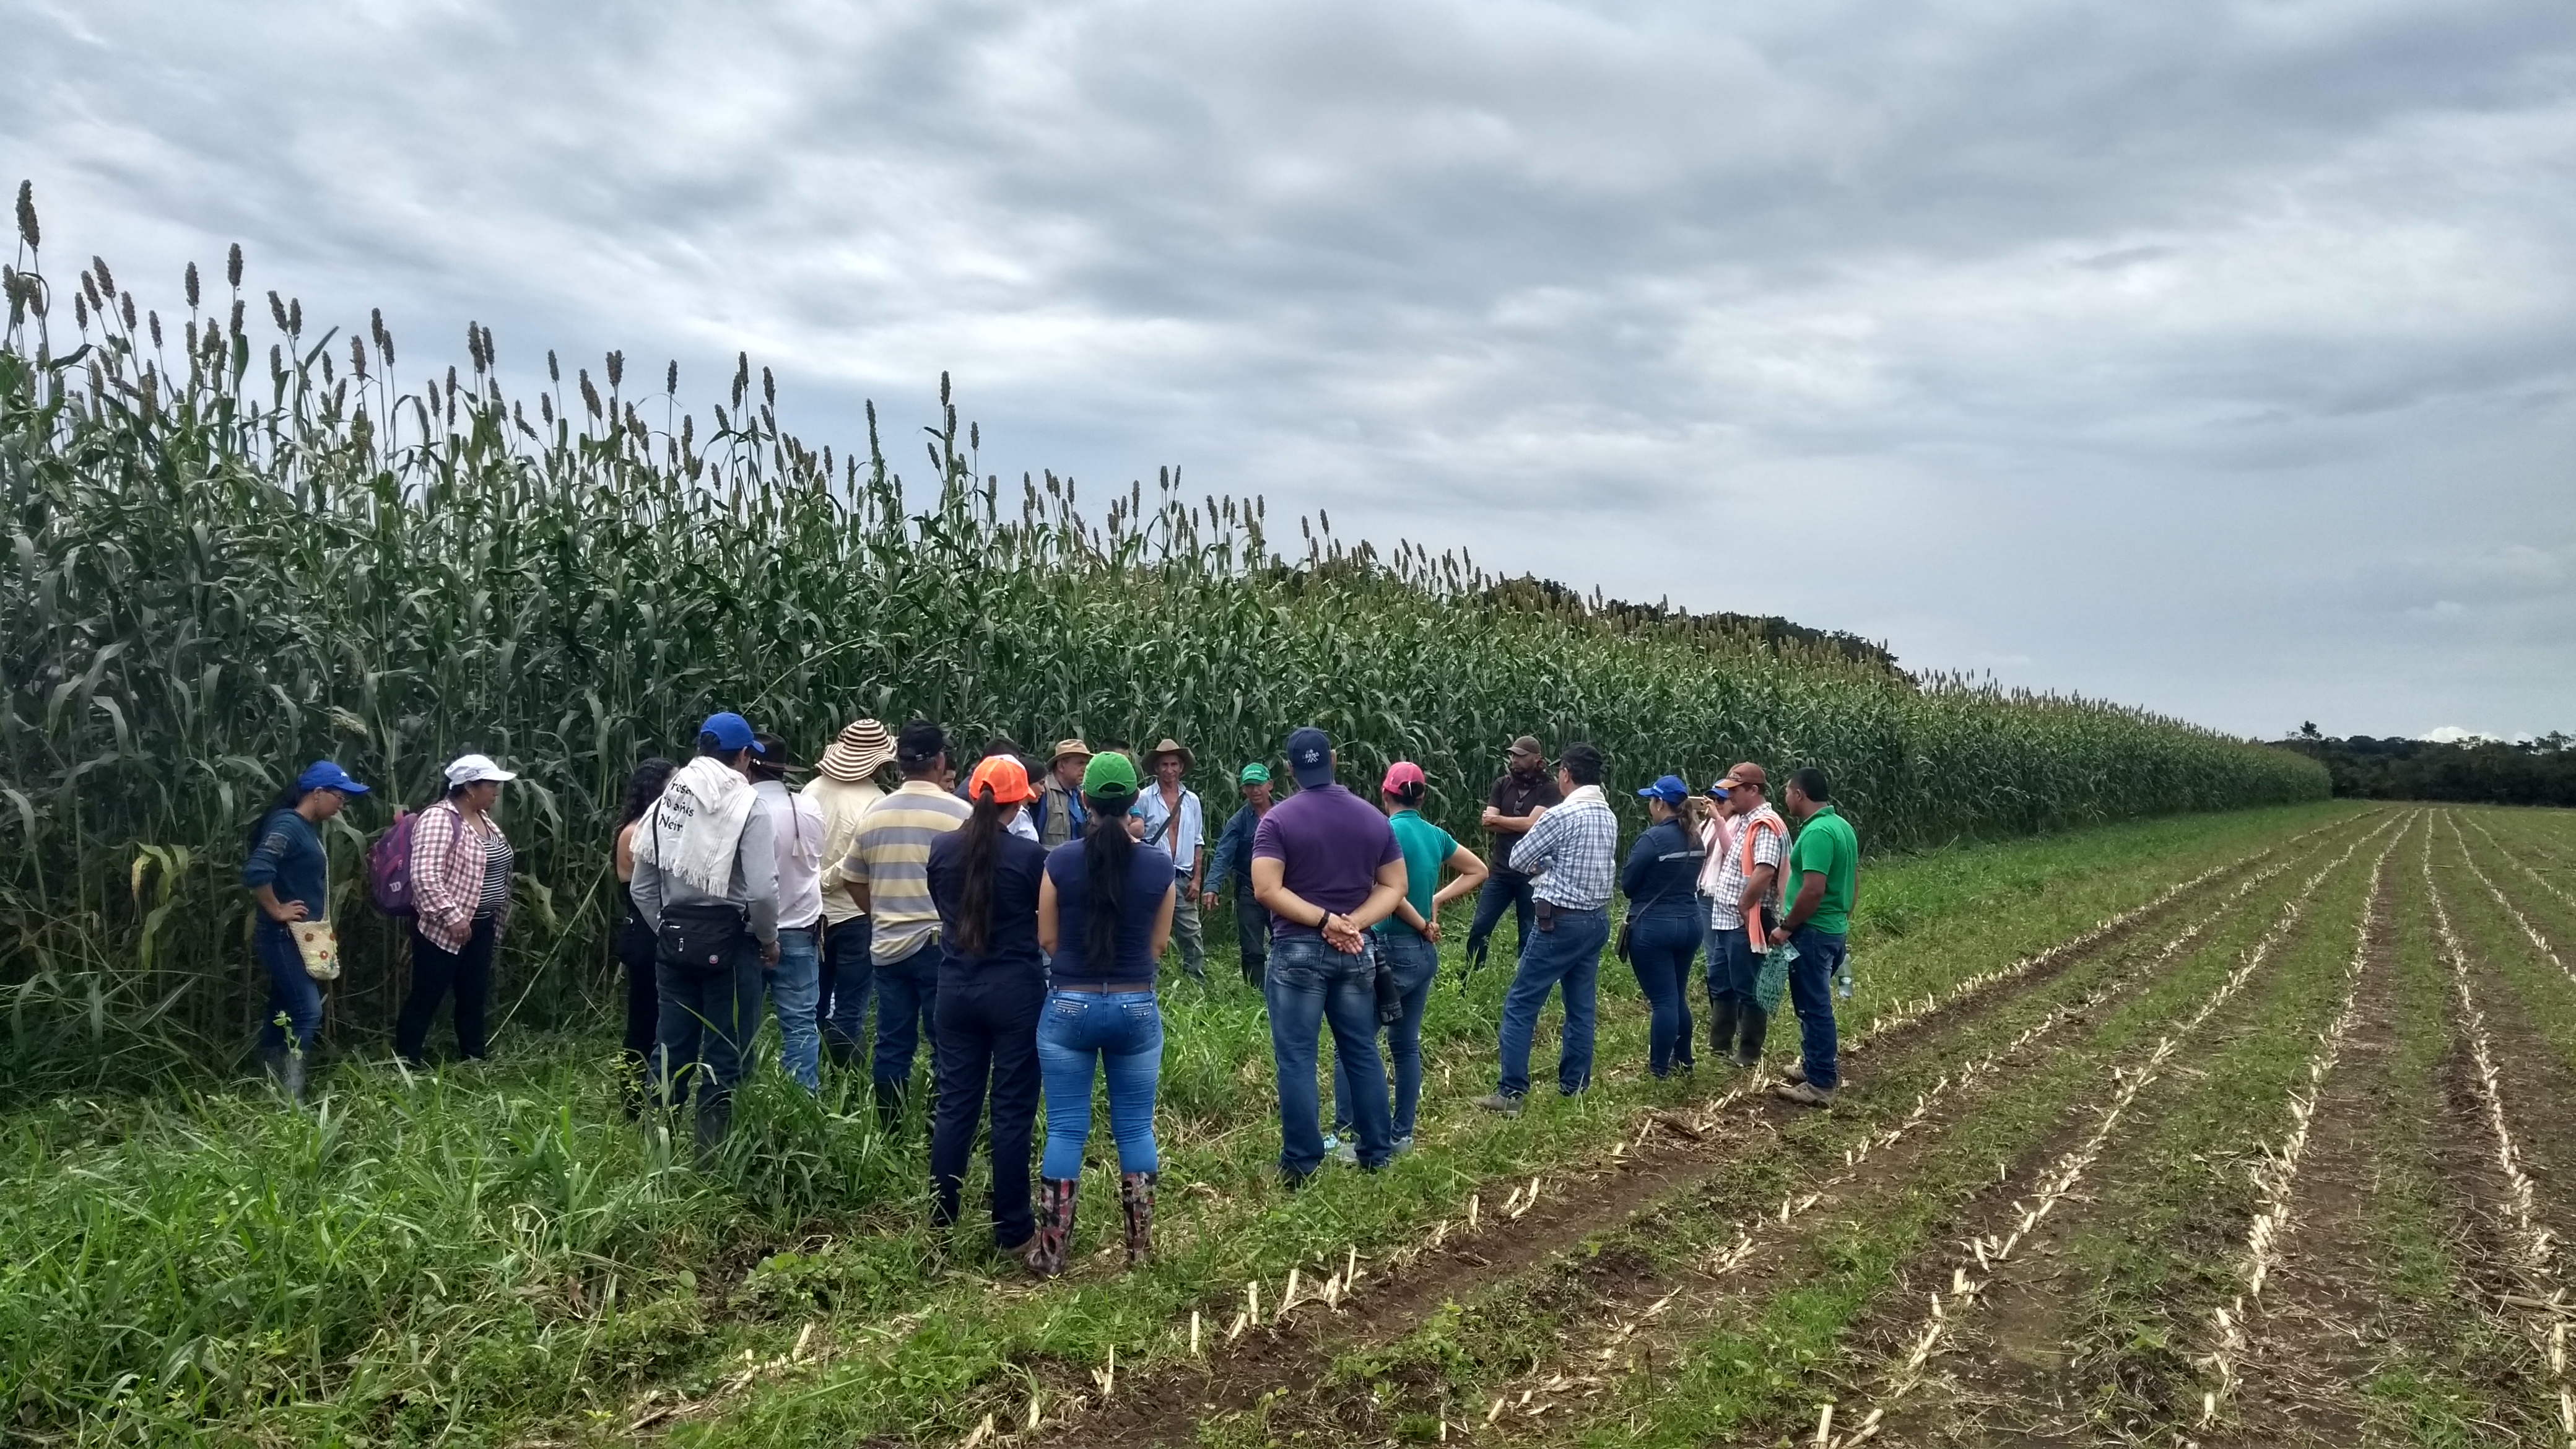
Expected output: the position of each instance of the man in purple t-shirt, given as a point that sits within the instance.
(1326, 866)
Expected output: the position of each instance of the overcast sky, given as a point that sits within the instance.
(2218, 357)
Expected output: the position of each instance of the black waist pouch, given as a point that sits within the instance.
(1545, 910)
(1390, 996)
(699, 937)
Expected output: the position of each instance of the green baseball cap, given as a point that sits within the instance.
(1109, 776)
(1255, 774)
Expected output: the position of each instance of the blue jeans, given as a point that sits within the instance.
(1569, 955)
(907, 997)
(794, 983)
(1309, 984)
(1415, 962)
(1661, 944)
(1732, 965)
(291, 993)
(706, 1025)
(1120, 1032)
(846, 984)
(1504, 889)
(1811, 988)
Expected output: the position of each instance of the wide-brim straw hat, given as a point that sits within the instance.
(1069, 747)
(1170, 746)
(862, 748)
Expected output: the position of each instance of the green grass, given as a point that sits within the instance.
(1763, 1370)
(478, 1254)
(2439, 1366)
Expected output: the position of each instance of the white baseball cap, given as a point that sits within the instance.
(474, 769)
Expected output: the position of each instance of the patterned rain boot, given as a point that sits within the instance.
(1055, 1225)
(1136, 1197)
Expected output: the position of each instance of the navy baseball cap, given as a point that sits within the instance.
(732, 732)
(1670, 789)
(1310, 757)
(325, 775)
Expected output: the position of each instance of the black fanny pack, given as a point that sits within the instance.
(699, 937)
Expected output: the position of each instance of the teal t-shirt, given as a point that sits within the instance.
(1826, 846)
(1425, 846)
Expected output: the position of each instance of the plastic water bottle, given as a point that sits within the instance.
(1842, 980)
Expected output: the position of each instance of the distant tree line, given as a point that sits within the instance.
(2493, 772)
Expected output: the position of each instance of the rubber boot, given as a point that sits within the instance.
(1136, 1198)
(1055, 1225)
(272, 1065)
(715, 1120)
(1753, 1022)
(290, 1076)
(1723, 1012)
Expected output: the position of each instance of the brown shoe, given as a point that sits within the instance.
(1797, 1072)
(1803, 1094)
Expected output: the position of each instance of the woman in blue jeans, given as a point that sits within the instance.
(1104, 914)
(1661, 880)
(1408, 951)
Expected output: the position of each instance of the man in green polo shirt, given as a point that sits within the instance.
(1823, 865)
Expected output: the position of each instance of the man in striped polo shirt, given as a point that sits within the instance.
(888, 875)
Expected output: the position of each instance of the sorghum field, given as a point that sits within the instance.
(2184, 1107)
(225, 557)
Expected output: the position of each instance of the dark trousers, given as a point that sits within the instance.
(1503, 888)
(907, 1005)
(845, 986)
(707, 1020)
(643, 1000)
(434, 973)
(1251, 933)
(986, 1032)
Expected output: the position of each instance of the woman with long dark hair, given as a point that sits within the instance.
(634, 939)
(985, 878)
(1104, 914)
(288, 875)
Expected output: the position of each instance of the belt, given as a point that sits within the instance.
(1105, 988)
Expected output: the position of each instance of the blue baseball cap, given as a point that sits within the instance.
(732, 733)
(1310, 757)
(1670, 789)
(325, 775)
(1718, 788)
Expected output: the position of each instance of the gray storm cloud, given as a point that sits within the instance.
(2211, 356)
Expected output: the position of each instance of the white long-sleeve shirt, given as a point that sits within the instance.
(796, 824)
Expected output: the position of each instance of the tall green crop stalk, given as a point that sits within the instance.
(226, 557)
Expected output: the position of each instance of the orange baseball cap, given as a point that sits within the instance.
(1005, 777)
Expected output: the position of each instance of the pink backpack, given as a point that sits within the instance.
(389, 867)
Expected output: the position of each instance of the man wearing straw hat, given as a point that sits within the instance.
(1058, 810)
(1174, 819)
(843, 787)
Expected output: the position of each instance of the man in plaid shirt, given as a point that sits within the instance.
(1572, 853)
(1749, 877)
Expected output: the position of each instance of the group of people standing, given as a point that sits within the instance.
(1016, 920)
